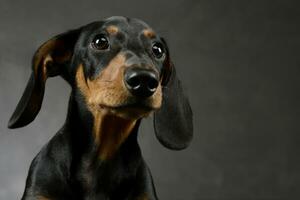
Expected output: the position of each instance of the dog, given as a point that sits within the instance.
(120, 71)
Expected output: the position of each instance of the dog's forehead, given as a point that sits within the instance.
(126, 22)
(128, 25)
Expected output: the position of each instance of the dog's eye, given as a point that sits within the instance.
(158, 50)
(100, 42)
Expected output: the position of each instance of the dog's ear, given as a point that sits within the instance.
(173, 122)
(49, 60)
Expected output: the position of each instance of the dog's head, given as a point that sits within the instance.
(119, 65)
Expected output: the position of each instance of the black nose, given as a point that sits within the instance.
(141, 82)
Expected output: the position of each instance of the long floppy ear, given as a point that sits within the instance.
(48, 61)
(173, 122)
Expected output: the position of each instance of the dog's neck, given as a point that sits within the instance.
(100, 133)
(109, 132)
(98, 143)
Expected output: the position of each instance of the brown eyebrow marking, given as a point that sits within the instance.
(149, 33)
(112, 29)
(42, 198)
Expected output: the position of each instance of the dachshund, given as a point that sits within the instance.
(120, 72)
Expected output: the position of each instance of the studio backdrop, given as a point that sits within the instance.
(240, 66)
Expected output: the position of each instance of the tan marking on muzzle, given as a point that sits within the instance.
(107, 89)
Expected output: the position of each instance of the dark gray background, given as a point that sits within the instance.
(239, 61)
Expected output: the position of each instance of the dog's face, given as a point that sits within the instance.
(119, 64)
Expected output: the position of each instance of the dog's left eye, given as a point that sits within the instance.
(100, 42)
(158, 50)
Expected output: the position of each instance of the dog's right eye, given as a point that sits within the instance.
(100, 42)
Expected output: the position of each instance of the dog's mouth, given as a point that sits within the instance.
(130, 110)
(129, 106)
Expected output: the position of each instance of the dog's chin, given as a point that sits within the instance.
(129, 111)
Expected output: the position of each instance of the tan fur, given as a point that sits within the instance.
(149, 33)
(47, 59)
(112, 29)
(43, 56)
(107, 89)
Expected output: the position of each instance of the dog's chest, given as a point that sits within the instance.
(105, 180)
